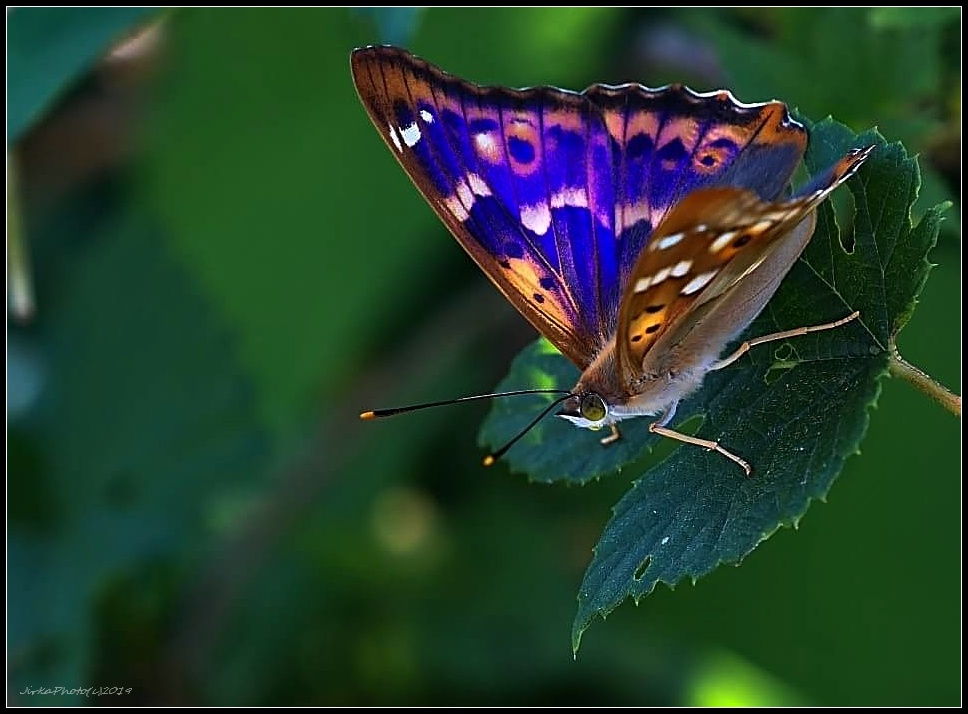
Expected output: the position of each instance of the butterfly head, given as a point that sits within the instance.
(599, 398)
(588, 410)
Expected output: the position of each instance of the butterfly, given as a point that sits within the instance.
(639, 230)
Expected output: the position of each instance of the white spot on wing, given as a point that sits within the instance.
(461, 202)
(395, 138)
(485, 143)
(632, 213)
(643, 284)
(478, 186)
(721, 242)
(670, 241)
(410, 134)
(661, 275)
(776, 216)
(536, 218)
(427, 116)
(680, 268)
(465, 195)
(457, 208)
(575, 197)
(699, 282)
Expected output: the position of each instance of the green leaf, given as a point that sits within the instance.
(868, 76)
(796, 410)
(48, 49)
(233, 229)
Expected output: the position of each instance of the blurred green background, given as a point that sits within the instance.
(227, 265)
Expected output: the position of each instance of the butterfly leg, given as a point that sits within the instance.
(613, 437)
(745, 347)
(659, 427)
(705, 443)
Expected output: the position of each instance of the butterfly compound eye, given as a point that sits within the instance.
(593, 407)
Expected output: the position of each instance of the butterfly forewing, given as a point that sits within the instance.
(475, 155)
(554, 193)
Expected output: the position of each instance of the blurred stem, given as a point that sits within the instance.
(899, 367)
(20, 286)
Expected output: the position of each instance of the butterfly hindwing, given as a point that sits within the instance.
(669, 142)
(710, 241)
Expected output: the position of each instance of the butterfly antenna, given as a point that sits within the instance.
(379, 413)
(492, 457)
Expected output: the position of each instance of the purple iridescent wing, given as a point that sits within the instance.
(509, 174)
(554, 193)
(668, 142)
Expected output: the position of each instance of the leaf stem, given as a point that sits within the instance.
(899, 367)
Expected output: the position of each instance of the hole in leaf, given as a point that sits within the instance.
(643, 566)
(785, 353)
(777, 370)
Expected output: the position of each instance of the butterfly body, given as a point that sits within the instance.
(640, 230)
(678, 362)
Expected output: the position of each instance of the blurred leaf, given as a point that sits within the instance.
(281, 199)
(821, 61)
(934, 191)
(48, 49)
(20, 289)
(797, 411)
(143, 425)
(395, 25)
(874, 73)
(907, 17)
(523, 46)
(25, 377)
(725, 680)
